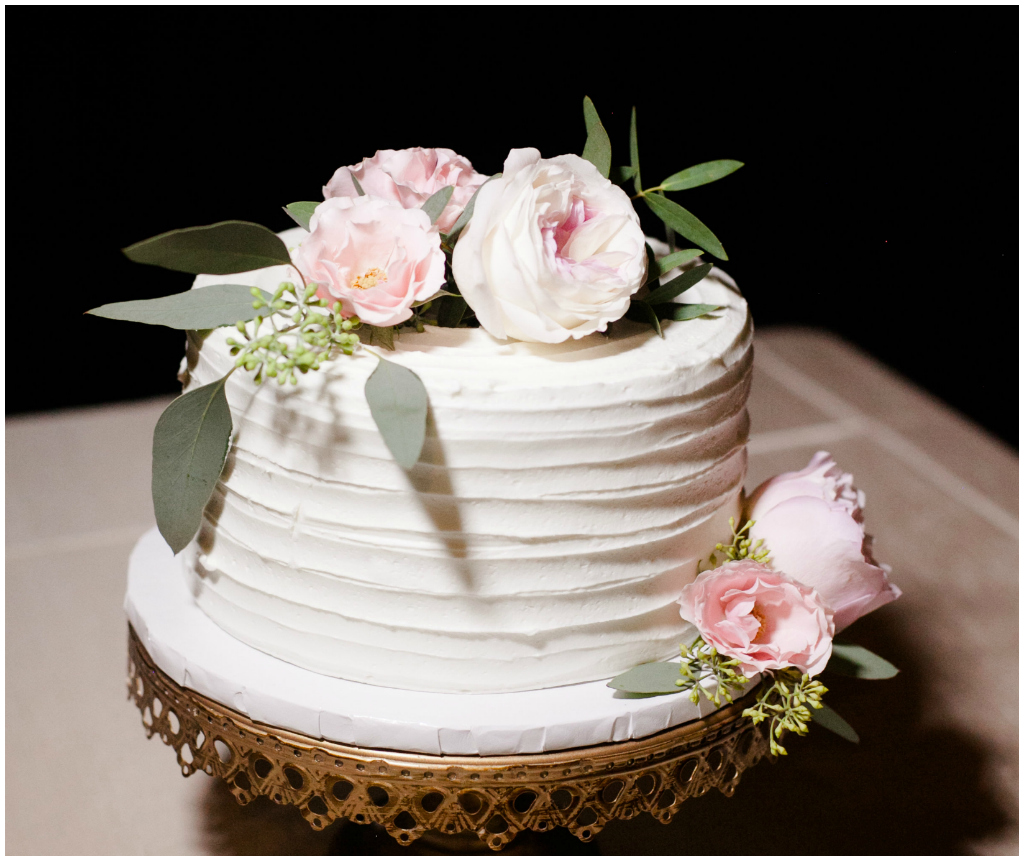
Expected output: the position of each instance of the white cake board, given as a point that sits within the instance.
(195, 653)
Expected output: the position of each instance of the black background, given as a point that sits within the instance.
(878, 198)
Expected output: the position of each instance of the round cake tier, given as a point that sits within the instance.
(197, 654)
(564, 496)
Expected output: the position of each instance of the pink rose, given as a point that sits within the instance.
(410, 177)
(377, 258)
(761, 617)
(812, 524)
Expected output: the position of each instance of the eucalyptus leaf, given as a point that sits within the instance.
(355, 182)
(435, 204)
(677, 258)
(382, 336)
(831, 720)
(467, 214)
(686, 223)
(621, 173)
(590, 115)
(451, 312)
(659, 678)
(398, 404)
(634, 153)
(652, 267)
(190, 444)
(598, 149)
(681, 311)
(641, 312)
(207, 308)
(301, 211)
(433, 298)
(678, 285)
(216, 249)
(851, 660)
(700, 174)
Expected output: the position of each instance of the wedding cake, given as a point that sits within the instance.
(563, 498)
(519, 463)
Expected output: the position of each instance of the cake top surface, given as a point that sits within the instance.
(450, 357)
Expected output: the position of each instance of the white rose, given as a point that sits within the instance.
(553, 251)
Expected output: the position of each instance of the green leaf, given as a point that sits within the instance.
(190, 444)
(657, 678)
(677, 258)
(435, 204)
(398, 404)
(641, 312)
(355, 182)
(301, 211)
(681, 311)
(634, 153)
(382, 336)
(216, 249)
(451, 312)
(433, 298)
(700, 174)
(679, 284)
(652, 266)
(829, 719)
(598, 149)
(590, 115)
(206, 308)
(620, 174)
(685, 222)
(850, 660)
(467, 214)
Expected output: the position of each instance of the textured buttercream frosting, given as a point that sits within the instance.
(564, 496)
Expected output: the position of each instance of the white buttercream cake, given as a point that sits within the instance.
(564, 496)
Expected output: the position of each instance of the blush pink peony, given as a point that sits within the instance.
(761, 617)
(409, 177)
(812, 524)
(375, 257)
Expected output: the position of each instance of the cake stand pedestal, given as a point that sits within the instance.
(410, 794)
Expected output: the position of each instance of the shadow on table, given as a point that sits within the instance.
(906, 789)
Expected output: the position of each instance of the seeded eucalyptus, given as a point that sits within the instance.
(702, 663)
(786, 704)
(741, 547)
(301, 337)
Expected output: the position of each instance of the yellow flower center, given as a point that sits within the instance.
(758, 614)
(370, 278)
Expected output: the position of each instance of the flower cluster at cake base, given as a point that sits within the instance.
(798, 570)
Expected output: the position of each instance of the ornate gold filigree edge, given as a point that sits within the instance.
(409, 794)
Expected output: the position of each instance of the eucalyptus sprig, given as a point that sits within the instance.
(675, 218)
(741, 547)
(787, 704)
(283, 335)
(302, 335)
(702, 663)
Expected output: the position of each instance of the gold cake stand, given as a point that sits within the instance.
(410, 794)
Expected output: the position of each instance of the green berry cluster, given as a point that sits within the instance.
(785, 703)
(302, 334)
(741, 548)
(701, 663)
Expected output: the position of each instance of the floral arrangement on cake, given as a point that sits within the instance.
(550, 249)
(547, 250)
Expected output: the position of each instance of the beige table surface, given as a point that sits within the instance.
(935, 772)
